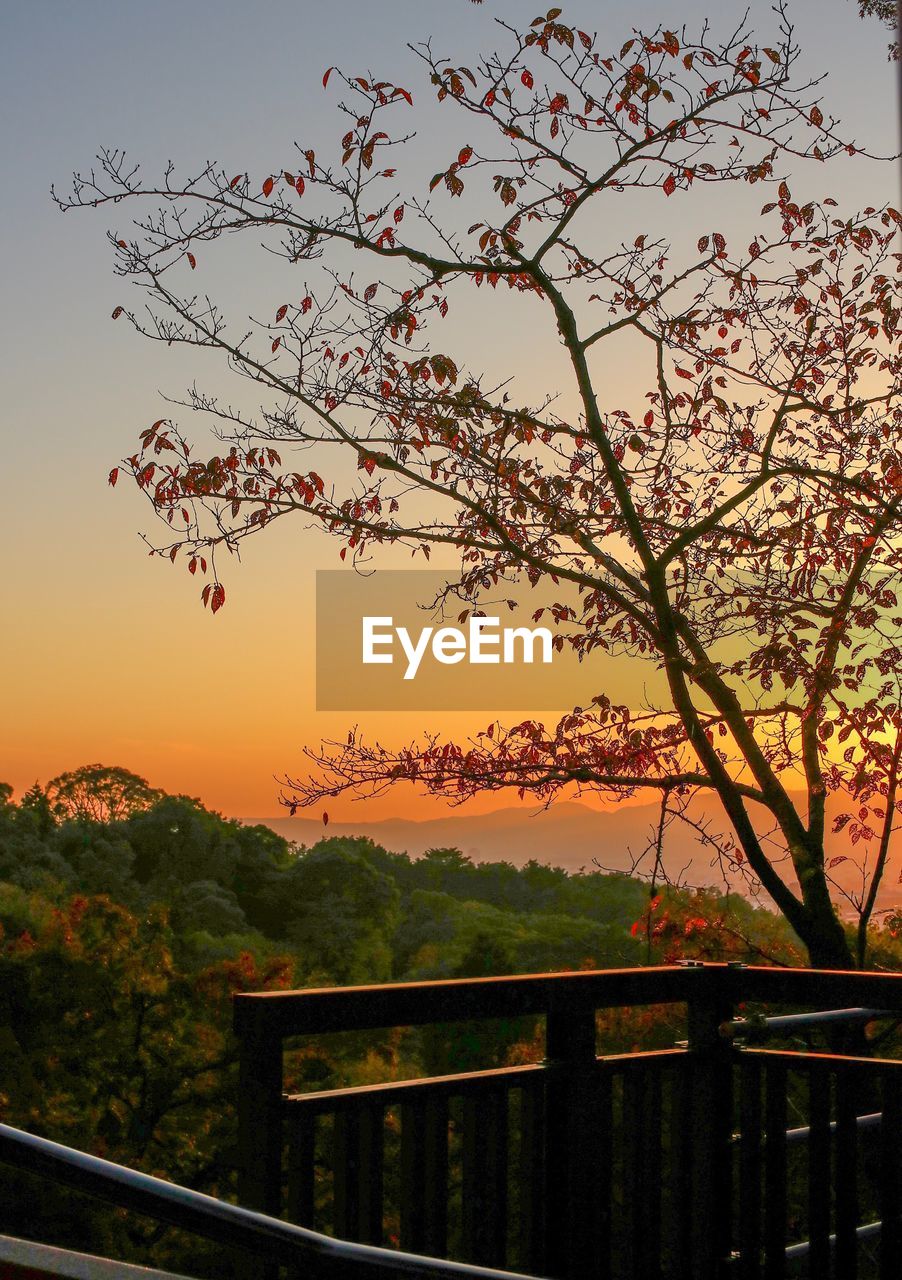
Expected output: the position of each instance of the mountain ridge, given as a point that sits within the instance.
(568, 834)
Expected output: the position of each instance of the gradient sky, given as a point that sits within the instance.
(106, 655)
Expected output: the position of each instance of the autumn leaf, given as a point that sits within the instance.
(113, 476)
(118, 312)
(299, 185)
(192, 261)
(816, 117)
(325, 819)
(268, 186)
(326, 75)
(527, 79)
(669, 185)
(281, 313)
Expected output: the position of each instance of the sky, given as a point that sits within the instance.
(105, 654)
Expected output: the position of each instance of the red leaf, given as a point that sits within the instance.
(268, 186)
(325, 819)
(118, 312)
(669, 185)
(402, 93)
(370, 292)
(122, 244)
(217, 599)
(192, 261)
(527, 79)
(306, 304)
(816, 117)
(649, 418)
(281, 313)
(399, 213)
(276, 344)
(489, 99)
(329, 71)
(299, 185)
(234, 183)
(114, 476)
(465, 155)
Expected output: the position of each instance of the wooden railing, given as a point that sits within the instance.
(676, 1163)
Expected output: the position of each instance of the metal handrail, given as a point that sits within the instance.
(789, 1022)
(255, 1233)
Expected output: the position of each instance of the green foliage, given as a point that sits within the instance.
(122, 939)
(342, 914)
(99, 793)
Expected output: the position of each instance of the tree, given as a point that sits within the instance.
(736, 525)
(100, 793)
(341, 914)
(110, 1047)
(887, 12)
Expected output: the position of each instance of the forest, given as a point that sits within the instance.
(128, 917)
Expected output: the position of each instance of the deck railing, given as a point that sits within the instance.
(711, 1159)
(252, 1241)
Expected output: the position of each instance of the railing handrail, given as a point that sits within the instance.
(802, 1021)
(316, 1010)
(463, 1083)
(220, 1221)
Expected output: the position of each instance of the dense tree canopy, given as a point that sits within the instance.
(99, 793)
(115, 988)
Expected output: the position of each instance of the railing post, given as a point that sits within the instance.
(259, 1116)
(711, 1111)
(575, 1219)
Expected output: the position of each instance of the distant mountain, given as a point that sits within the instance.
(569, 835)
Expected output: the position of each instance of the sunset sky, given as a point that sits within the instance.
(105, 654)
